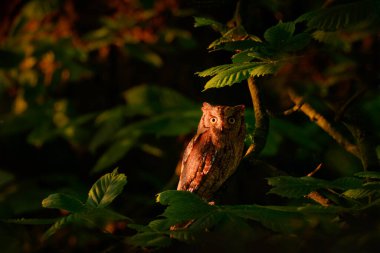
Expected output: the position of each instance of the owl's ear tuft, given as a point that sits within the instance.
(240, 107)
(206, 105)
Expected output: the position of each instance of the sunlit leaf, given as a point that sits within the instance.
(230, 74)
(358, 193)
(63, 201)
(202, 21)
(106, 189)
(368, 174)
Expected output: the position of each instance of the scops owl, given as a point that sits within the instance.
(214, 153)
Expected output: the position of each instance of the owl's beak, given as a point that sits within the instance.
(221, 128)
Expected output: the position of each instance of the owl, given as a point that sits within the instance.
(214, 153)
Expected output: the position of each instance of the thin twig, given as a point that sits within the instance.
(315, 170)
(314, 195)
(295, 108)
(323, 123)
(261, 120)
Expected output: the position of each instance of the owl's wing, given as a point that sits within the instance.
(196, 162)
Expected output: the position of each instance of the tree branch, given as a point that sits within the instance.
(323, 123)
(261, 120)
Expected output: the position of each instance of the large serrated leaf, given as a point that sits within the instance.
(297, 42)
(214, 70)
(60, 223)
(357, 193)
(149, 239)
(106, 189)
(183, 205)
(276, 219)
(293, 187)
(249, 55)
(368, 174)
(345, 183)
(63, 201)
(265, 69)
(202, 21)
(238, 72)
(103, 215)
(279, 34)
(342, 16)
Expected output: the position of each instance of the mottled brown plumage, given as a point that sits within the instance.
(214, 153)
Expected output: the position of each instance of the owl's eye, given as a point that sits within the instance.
(213, 120)
(231, 120)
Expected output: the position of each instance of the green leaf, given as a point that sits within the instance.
(183, 205)
(106, 189)
(60, 223)
(149, 239)
(171, 123)
(279, 34)
(297, 187)
(333, 39)
(215, 70)
(229, 74)
(110, 122)
(275, 218)
(229, 44)
(293, 187)
(63, 201)
(115, 152)
(297, 42)
(265, 69)
(144, 54)
(154, 99)
(368, 174)
(358, 193)
(100, 216)
(342, 16)
(249, 55)
(202, 21)
(345, 183)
